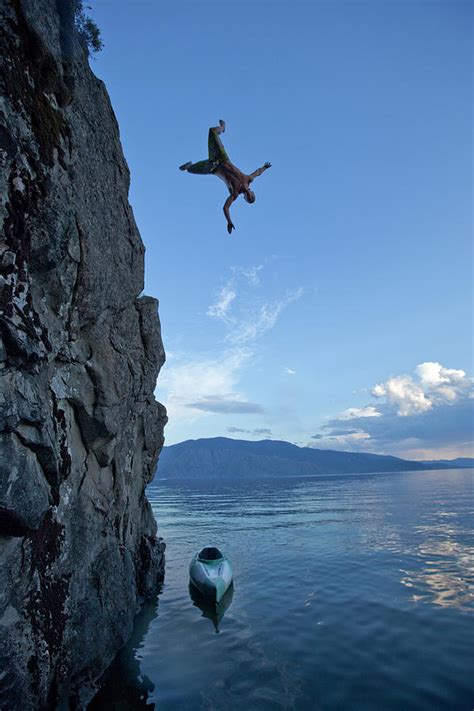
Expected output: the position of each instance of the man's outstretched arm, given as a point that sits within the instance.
(259, 171)
(227, 204)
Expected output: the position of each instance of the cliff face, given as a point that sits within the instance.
(80, 351)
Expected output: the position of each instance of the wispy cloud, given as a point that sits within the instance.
(223, 301)
(353, 413)
(195, 386)
(416, 416)
(349, 441)
(225, 405)
(290, 371)
(245, 313)
(255, 432)
(262, 319)
(250, 273)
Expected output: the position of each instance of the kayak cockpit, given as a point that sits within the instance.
(210, 553)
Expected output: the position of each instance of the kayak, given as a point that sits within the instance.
(211, 573)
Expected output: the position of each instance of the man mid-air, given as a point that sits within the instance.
(220, 165)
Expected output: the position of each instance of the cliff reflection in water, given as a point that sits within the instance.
(123, 686)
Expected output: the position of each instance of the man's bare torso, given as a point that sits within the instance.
(218, 163)
(235, 180)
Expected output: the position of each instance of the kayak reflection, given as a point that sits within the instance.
(213, 611)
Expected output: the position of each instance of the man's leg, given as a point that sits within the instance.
(217, 151)
(202, 167)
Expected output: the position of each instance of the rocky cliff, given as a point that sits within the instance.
(80, 352)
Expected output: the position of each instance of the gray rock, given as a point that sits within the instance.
(80, 351)
(24, 490)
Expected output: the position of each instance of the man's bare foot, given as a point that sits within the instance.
(222, 125)
(185, 166)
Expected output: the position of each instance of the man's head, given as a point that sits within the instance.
(249, 196)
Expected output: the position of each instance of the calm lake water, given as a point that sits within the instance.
(350, 592)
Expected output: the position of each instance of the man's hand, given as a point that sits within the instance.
(259, 171)
(227, 204)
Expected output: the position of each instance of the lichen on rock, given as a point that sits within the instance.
(80, 351)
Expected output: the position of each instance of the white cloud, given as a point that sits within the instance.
(444, 384)
(200, 379)
(430, 410)
(405, 394)
(433, 374)
(353, 412)
(434, 385)
(290, 371)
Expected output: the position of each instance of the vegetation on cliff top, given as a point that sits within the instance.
(88, 30)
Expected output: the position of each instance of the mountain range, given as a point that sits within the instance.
(222, 457)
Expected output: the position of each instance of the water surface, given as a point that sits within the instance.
(350, 592)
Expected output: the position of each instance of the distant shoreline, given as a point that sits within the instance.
(311, 476)
(222, 458)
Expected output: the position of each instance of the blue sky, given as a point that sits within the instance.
(354, 266)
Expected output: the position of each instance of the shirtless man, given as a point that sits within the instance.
(219, 164)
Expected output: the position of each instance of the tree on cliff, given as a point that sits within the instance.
(88, 30)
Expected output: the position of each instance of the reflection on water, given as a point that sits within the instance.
(446, 577)
(327, 573)
(211, 610)
(123, 686)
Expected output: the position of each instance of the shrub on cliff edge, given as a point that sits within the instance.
(88, 30)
